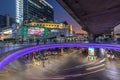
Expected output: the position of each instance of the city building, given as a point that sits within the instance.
(5, 21)
(5, 26)
(55, 29)
(33, 10)
(6, 33)
(48, 25)
(46, 30)
(70, 30)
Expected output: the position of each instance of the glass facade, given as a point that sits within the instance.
(33, 10)
(2, 21)
(19, 11)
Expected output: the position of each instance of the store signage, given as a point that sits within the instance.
(56, 30)
(35, 31)
(91, 51)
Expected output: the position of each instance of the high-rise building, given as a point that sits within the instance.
(33, 10)
(6, 21)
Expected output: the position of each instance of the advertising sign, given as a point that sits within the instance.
(35, 31)
(91, 51)
(56, 30)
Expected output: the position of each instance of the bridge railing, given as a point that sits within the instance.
(6, 48)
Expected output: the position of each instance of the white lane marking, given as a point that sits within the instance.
(95, 67)
(75, 75)
(101, 61)
(80, 66)
(94, 71)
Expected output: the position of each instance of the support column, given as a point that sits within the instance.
(61, 51)
(33, 57)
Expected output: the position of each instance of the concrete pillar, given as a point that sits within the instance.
(30, 57)
(33, 57)
(61, 51)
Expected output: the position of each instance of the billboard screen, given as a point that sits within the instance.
(91, 51)
(36, 31)
(56, 30)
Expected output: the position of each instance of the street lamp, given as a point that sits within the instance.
(2, 36)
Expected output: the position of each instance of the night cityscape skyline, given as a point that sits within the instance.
(59, 40)
(59, 13)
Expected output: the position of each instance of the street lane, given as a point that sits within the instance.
(72, 65)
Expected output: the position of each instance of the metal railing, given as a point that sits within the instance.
(5, 47)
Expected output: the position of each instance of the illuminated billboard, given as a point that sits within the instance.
(57, 30)
(91, 51)
(35, 32)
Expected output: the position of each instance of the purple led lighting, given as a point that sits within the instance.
(25, 51)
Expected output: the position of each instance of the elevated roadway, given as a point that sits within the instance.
(95, 16)
(15, 55)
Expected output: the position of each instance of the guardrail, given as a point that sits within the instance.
(29, 50)
(5, 48)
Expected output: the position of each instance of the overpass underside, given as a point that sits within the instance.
(95, 16)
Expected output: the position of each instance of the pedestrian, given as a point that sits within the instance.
(43, 61)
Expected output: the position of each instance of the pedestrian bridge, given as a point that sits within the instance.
(15, 55)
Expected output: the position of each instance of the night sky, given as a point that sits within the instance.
(8, 7)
